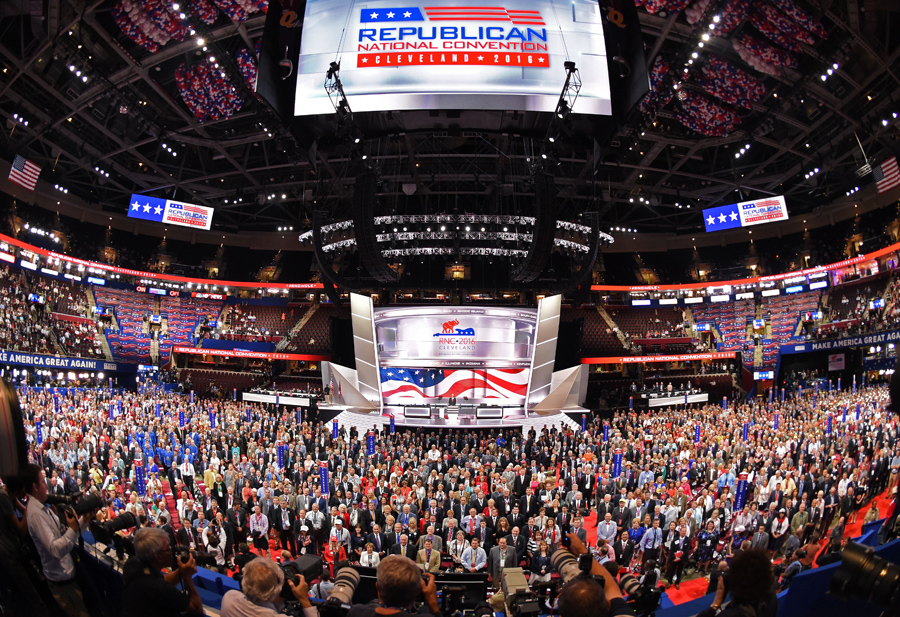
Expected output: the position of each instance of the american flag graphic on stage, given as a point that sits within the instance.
(412, 384)
(887, 175)
(24, 172)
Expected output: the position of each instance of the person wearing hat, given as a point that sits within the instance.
(340, 534)
(778, 532)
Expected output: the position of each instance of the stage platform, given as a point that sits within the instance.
(514, 418)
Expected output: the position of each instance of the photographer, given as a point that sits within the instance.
(585, 597)
(260, 594)
(399, 583)
(147, 592)
(54, 545)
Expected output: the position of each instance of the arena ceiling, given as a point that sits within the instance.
(98, 130)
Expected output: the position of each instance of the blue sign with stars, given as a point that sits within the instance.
(382, 15)
(147, 208)
(722, 217)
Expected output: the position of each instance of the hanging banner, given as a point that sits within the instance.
(724, 403)
(696, 433)
(249, 419)
(139, 478)
(584, 423)
(828, 422)
(617, 463)
(192, 397)
(740, 492)
(212, 418)
(854, 384)
(323, 477)
(770, 396)
(38, 432)
(370, 443)
(112, 410)
(746, 431)
(782, 395)
(776, 420)
(630, 403)
(234, 394)
(334, 429)
(839, 384)
(393, 428)
(279, 453)
(299, 415)
(844, 418)
(158, 412)
(857, 412)
(181, 419)
(605, 433)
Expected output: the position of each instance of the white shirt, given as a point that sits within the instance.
(53, 545)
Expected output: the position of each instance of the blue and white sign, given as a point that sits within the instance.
(745, 214)
(169, 212)
(854, 341)
(54, 362)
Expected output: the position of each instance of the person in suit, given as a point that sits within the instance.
(579, 530)
(429, 558)
(501, 556)
(283, 522)
(404, 548)
(518, 543)
(436, 541)
(624, 549)
(528, 503)
(485, 536)
(760, 539)
(379, 541)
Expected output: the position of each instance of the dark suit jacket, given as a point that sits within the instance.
(411, 551)
(520, 545)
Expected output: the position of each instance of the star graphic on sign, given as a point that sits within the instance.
(721, 218)
(390, 15)
(406, 378)
(157, 209)
(407, 15)
(390, 374)
(135, 205)
(365, 60)
(711, 220)
(374, 15)
(540, 59)
(147, 208)
(733, 216)
(480, 58)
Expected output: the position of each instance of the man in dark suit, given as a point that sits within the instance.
(283, 522)
(500, 557)
(528, 503)
(485, 535)
(404, 548)
(379, 539)
(371, 516)
(517, 542)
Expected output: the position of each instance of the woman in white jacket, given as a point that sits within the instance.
(369, 557)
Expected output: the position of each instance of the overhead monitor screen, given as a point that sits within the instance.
(478, 355)
(443, 54)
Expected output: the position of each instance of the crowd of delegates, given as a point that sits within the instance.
(24, 325)
(478, 501)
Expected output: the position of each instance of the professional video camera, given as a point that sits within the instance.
(643, 600)
(570, 568)
(308, 566)
(865, 576)
(520, 600)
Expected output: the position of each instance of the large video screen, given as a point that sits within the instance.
(477, 54)
(478, 355)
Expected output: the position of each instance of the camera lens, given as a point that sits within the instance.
(866, 576)
(345, 583)
(566, 564)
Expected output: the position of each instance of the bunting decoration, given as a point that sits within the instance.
(732, 85)
(702, 115)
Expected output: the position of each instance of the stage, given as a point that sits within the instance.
(514, 418)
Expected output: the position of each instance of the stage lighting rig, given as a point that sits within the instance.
(559, 125)
(347, 127)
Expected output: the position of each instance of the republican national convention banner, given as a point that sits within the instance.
(745, 214)
(170, 212)
(843, 343)
(63, 364)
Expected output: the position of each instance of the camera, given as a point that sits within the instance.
(308, 566)
(341, 597)
(866, 576)
(643, 600)
(105, 532)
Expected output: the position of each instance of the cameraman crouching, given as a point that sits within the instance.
(260, 594)
(399, 583)
(147, 592)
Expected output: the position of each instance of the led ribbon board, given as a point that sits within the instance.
(746, 214)
(170, 212)
(477, 54)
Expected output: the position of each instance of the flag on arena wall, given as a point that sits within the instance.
(25, 173)
(887, 175)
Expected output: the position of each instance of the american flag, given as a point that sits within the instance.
(24, 172)
(887, 175)
(408, 384)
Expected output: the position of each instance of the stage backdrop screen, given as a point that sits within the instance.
(479, 355)
(442, 54)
